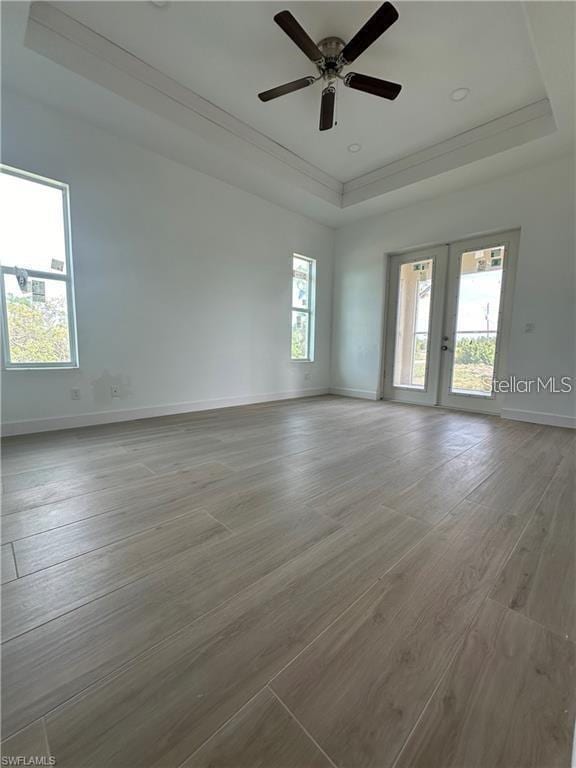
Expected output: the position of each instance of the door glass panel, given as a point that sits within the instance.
(478, 310)
(413, 324)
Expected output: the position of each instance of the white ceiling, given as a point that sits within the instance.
(227, 52)
(66, 67)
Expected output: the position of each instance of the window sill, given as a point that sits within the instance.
(10, 369)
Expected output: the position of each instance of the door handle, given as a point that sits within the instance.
(444, 347)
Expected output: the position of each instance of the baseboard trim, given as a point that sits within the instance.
(30, 426)
(540, 417)
(364, 394)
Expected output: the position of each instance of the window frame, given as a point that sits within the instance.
(67, 278)
(310, 310)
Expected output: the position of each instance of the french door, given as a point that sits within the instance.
(447, 323)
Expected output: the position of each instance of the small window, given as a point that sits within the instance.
(37, 290)
(303, 300)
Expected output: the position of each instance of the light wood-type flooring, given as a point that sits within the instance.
(304, 584)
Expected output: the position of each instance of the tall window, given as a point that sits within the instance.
(37, 290)
(303, 296)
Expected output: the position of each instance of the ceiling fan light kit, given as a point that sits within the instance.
(330, 56)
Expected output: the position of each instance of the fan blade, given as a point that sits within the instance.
(384, 17)
(327, 108)
(282, 90)
(288, 24)
(373, 85)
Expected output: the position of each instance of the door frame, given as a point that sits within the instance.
(511, 239)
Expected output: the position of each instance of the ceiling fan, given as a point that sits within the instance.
(331, 55)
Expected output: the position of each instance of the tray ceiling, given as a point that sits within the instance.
(183, 80)
(227, 52)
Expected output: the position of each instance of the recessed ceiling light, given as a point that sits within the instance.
(460, 94)
(354, 147)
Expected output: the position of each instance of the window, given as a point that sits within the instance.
(39, 329)
(303, 295)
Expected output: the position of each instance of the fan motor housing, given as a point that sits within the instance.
(331, 48)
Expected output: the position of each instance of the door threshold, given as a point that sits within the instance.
(473, 412)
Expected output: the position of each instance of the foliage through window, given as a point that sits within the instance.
(36, 286)
(303, 293)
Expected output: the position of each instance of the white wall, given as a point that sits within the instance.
(541, 202)
(182, 282)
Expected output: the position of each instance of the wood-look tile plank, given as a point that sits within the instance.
(59, 544)
(546, 449)
(507, 438)
(539, 580)
(28, 746)
(73, 470)
(254, 495)
(508, 699)
(261, 735)
(40, 597)
(257, 504)
(15, 461)
(435, 494)
(113, 432)
(515, 483)
(17, 501)
(209, 670)
(126, 432)
(387, 475)
(38, 441)
(153, 491)
(435, 437)
(9, 572)
(252, 455)
(50, 664)
(348, 504)
(360, 688)
(169, 441)
(177, 459)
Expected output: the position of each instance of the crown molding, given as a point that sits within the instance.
(511, 130)
(63, 39)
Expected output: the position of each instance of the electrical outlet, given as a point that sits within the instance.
(115, 390)
(75, 393)
(307, 377)
(529, 327)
